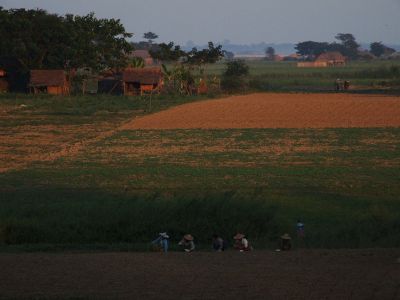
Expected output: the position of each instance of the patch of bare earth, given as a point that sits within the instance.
(32, 140)
(279, 111)
(301, 274)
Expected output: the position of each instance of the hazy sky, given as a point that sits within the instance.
(247, 21)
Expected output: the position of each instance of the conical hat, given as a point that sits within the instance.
(164, 235)
(188, 237)
(286, 237)
(238, 236)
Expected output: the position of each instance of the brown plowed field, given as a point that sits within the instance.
(279, 111)
(301, 274)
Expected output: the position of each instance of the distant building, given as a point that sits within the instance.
(332, 59)
(137, 81)
(54, 82)
(328, 59)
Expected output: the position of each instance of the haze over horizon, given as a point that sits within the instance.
(242, 23)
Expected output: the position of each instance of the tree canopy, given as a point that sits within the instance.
(209, 55)
(40, 40)
(346, 45)
(150, 36)
(349, 45)
(270, 53)
(167, 52)
(378, 49)
(311, 48)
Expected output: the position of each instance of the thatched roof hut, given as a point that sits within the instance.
(141, 80)
(333, 58)
(54, 82)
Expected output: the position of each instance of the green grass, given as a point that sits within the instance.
(342, 182)
(98, 105)
(286, 76)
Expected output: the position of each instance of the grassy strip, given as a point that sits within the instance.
(342, 182)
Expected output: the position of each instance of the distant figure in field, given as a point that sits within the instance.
(161, 242)
(346, 85)
(218, 243)
(338, 84)
(187, 243)
(241, 243)
(300, 229)
(286, 244)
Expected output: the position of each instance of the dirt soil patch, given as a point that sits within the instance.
(301, 274)
(274, 110)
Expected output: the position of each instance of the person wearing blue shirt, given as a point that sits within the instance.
(162, 242)
(300, 229)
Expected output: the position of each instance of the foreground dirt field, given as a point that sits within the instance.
(279, 111)
(312, 274)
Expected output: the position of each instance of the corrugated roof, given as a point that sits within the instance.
(47, 78)
(143, 76)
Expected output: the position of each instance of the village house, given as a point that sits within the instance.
(332, 59)
(328, 59)
(138, 81)
(54, 82)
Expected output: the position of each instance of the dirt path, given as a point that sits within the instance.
(312, 274)
(279, 111)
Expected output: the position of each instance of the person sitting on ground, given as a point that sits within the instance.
(187, 243)
(218, 243)
(241, 243)
(286, 244)
(161, 242)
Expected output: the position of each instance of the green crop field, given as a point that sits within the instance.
(343, 183)
(119, 190)
(286, 76)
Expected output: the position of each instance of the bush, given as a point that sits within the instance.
(236, 68)
(233, 78)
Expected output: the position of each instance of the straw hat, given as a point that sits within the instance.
(286, 237)
(238, 236)
(188, 237)
(164, 235)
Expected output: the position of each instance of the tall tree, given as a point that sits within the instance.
(209, 55)
(350, 46)
(270, 53)
(150, 36)
(39, 40)
(35, 38)
(311, 48)
(378, 49)
(98, 43)
(167, 52)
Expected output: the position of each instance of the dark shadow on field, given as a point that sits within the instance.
(41, 219)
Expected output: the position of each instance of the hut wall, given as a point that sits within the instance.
(314, 64)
